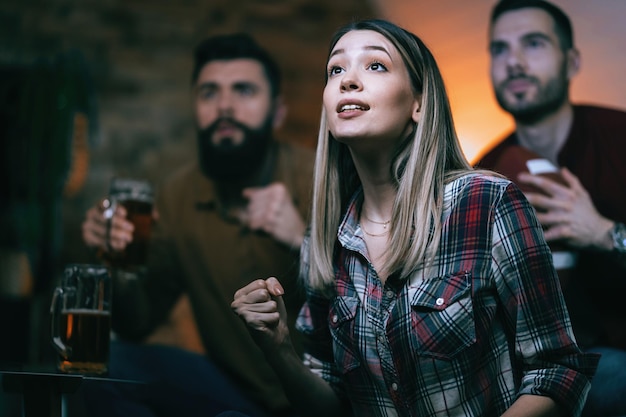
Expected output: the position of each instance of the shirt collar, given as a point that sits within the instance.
(349, 233)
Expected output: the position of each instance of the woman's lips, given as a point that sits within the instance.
(349, 108)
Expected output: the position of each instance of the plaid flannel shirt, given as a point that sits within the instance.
(465, 336)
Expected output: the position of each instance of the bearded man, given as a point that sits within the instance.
(533, 59)
(236, 214)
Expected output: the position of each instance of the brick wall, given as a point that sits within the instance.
(138, 53)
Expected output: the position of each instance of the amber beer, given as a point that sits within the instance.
(81, 319)
(86, 334)
(136, 196)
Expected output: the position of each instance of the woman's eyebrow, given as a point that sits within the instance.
(367, 48)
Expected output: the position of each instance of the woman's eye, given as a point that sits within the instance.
(334, 70)
(377, 66)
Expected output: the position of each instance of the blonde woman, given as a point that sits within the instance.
(430, 288)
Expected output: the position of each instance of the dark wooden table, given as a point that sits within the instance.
(42, 390)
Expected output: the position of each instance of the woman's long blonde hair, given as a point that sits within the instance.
(423, 163)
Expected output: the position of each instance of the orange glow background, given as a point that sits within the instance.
(456, 32)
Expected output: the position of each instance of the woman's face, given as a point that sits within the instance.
(368, 94)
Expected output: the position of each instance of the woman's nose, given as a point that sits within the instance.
(350, 82)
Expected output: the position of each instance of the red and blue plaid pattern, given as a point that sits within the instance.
(465, 336)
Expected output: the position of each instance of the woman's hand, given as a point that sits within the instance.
(260, 305)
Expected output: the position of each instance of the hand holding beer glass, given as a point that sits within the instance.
(136, 199)
(81, 319)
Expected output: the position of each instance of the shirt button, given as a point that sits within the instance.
(390, 294)
(335, 319)
(439, 301)
(394, 386)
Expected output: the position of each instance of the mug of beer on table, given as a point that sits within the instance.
(137, 197)
(81, 319)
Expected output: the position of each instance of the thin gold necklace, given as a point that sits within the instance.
(374, 234)
(384, 224)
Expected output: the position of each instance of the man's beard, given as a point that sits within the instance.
(228, 162)
(549, 98)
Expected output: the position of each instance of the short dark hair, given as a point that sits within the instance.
(236, 46)
(562, 23)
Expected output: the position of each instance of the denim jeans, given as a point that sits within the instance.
(162, 381)
(607, 397)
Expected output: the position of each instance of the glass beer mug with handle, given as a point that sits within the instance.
(81, 319)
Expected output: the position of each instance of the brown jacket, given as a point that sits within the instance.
(197, 250)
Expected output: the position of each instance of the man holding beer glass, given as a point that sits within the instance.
(236, 214)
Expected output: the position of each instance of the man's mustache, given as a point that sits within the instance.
(223, 120)
(518, 77)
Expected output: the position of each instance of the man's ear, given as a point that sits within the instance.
(280, 112)
(416, 111)
(573, 62)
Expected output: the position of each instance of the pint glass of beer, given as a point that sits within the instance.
(81, 319)
(137, 197)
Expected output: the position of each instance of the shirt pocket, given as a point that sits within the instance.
(442, 316)
(341, 319)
